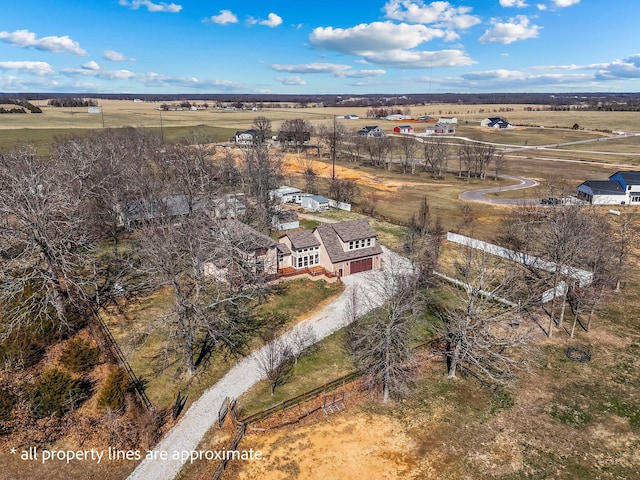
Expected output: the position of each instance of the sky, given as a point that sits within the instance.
(323, 47)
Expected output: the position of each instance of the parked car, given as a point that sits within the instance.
(550, 201)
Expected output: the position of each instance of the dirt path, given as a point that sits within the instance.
(185, 436)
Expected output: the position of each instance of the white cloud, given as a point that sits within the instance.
(420, 59)
(389, 44)
(25, 38)
(225, 17)
(541, 6)
(335, 69)
(437, 13)
(36, 68)
(513, 3)
(91, 66)
(114, 56)
(152, 7)
(272, 20)
(515, 29)
(291, 81)
(373, 37)
(565, 3)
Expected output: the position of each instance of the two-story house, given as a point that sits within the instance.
(342, 248)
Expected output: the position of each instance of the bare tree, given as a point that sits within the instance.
(45, 238)
(422, 244)
(343, 190)
(354, 146)
(295, 132)
(380, 341)
(435, 152)
(263, 125)
(407, 146)
(275, 360)
(379, 150)
(262, 172)
(477, 331)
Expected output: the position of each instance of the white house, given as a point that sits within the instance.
(495, 122)
(622, 188)
(248, 137)
(397, 117)
(286, 194)
(371, 131)
(317, 203)
(440, 129)
(452, 120)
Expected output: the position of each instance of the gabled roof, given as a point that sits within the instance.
(369, 128)
(630, 177)
(604, 187)
(302, 239)
(245, 237)
(331, 234)
(354, 230)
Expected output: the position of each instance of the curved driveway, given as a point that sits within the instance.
(203, 413)
(480, 195)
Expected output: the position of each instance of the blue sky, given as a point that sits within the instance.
(392, 46)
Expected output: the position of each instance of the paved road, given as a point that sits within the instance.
(189, 431)
(480, 195)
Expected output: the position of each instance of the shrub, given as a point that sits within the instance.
(113, 393)
(7, 401)
(79, 356)
(55, 393)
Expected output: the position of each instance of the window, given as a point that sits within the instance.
(356, 244)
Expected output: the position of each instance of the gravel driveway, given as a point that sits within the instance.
(203, 413)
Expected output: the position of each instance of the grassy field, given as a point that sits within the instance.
(154, 356)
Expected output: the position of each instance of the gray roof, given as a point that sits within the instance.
(604, 187)
(282, 248)
(354, 230)
(286, 216)
(171, 206)
(303, 239)
(347, 231)
(245, 237)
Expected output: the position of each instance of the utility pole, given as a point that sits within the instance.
(333, 150)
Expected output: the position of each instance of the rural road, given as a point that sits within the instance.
(480, 195)
(203, 413)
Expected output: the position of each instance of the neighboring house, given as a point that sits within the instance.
(371, 131)
(622, 188)
(137, 211)
(285, 220)
(427, 118)
(348, 247)
(254, 253)
(286, 194)
(453, 120)
(249, 137)
(342, 248)
(495, 122)
(317, 203)
(440, 129)
(397, 117)
(229, 206)
(293, 138)
(406, 129)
